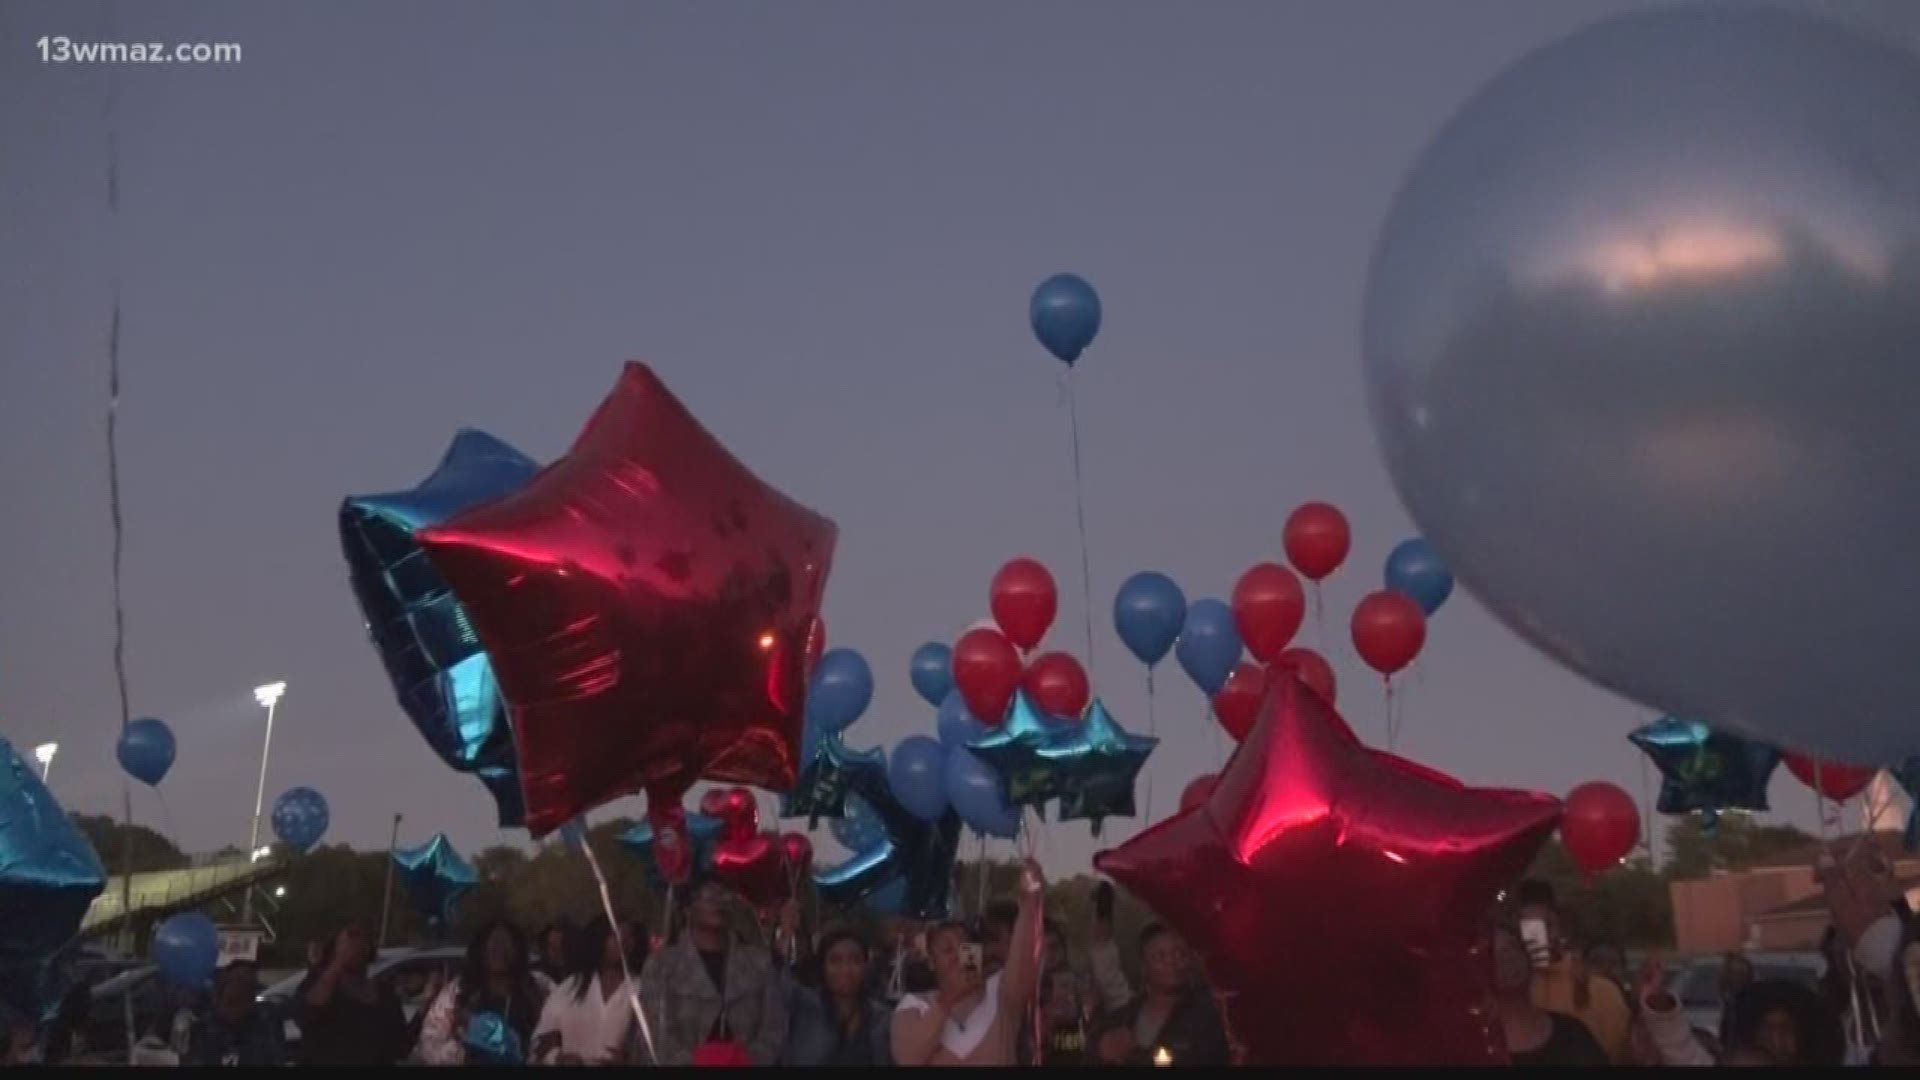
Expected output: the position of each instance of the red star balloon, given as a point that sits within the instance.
(648, 605)
(1339, 895)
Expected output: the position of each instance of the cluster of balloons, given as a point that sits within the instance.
(764, 868)
(524, 643)
(1210, 637)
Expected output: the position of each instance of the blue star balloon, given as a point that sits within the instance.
(1097, 765)
(432, 654)
(435, 876)
(1706, 770)
(704, 831)
(490, 1040)
(910, 868)
(48, 876)
(1016, 751)
(829, 772)
(300, 817)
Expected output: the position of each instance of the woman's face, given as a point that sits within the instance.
(1165, 963)
(351, 946)
(950, 969)
(846, 965)
(554, 948)
(500, 951)
(1512, 967)
(610, 952)
(1779, 1036)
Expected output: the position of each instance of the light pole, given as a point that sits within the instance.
(268, 696)
(44, 755)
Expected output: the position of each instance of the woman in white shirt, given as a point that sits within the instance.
(588, 1019)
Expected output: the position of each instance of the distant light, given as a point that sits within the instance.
(268, 694)
(766, 641)
(279, 891)
(261, 852)
(45, 751)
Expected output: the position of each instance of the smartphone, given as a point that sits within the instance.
(971, 957)
(1533, 933)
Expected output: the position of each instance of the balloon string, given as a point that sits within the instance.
(1080, 512)
(980, 900)
(1153, 731)
(1393, 732)
(626, 974)
(113, 481)
(1646, 800)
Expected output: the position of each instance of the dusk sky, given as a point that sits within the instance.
(821, 223)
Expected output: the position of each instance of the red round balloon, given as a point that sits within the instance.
(1198, 790)
(1317, 539)
(1310, 668)
(1237, 705)
(645, 603)
(1058, 685)
(986, 669)
(1600, 826)
(714, 803)
(1835, 781)
(1268, 606)
(1388, 631)
(1339, 895)
(1024, 602)
(799, 852)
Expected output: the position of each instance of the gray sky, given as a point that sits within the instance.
(821, 222)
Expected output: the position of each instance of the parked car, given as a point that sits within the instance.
(387, 969)
(1697, 982)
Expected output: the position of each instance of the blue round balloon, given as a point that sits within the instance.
(975, 791)
(860, 827)
(1148, 613)
(932, 672)
(842, 689)
(146, 750)
(1066, 316)
(1416, 571)
(300, 817)
(185, 949)
(917, 772)
(1209, 645)
(956, 725)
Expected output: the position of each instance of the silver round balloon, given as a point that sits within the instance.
(1643, 351)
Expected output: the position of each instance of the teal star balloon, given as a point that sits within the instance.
(435, 877)
(1016, 751)
(1706, 770)
(1096, 766)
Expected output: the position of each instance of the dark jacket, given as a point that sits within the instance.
(250, 1042)
(814, 1038)
(1192, 1035)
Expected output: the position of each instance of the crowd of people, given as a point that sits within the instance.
(1003, 989)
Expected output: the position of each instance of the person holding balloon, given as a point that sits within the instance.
(346, 1019)
(236, 1030)
(971, 1018)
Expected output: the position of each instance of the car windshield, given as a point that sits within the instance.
(1699, 985)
